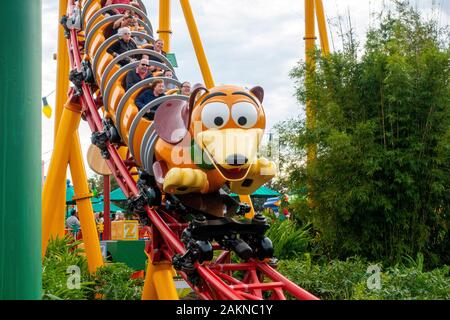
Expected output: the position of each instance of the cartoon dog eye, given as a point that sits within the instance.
(215, 115)
(244, 114)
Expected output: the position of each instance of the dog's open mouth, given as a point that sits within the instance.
(234, 174)
(233, 163)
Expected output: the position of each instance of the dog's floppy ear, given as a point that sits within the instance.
(172, 121)
(258, 92)
(173, 117)
(196, 93)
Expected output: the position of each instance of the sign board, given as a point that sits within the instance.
(131, 230)
(172, 59)
(125, 230)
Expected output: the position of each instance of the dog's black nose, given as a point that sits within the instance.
(236, 160)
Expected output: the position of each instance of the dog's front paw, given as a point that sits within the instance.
(185, 180)
(260, 172)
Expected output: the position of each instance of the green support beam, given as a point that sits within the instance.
(20, 145)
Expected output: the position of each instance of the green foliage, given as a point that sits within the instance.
(113, 282)
(96, 183)
(417, 264)
(408, 284)
(380, 183)
(347, 280)
(62, 254)
(289, 240)
(333, 281)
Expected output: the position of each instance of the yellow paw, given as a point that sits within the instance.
(185, 180)
(260, 172)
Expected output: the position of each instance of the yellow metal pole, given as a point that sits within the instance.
(310, 38)
(322, 27)
(123, 152)
(197, 43)
(159, 284)
(164, 23)
(70, 120)
(62, 86)
(62, 70)
(164, 284)
(62, 151)
(149, 290)
(84, 206)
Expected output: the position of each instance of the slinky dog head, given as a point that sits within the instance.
(227, 122)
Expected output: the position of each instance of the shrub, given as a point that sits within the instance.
(348, 280)
(61, 254)
(408, 284)
(335, 280)
(113, 282)
(110, 282)
(379, 185)
(288, 239)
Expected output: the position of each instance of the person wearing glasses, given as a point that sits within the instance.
(123, 45)
(185, 89)
(140, 73)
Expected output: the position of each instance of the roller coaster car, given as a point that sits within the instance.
(203, 145)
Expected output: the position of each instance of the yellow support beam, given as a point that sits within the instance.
(310, 39)
(165, 23)
(164, 284)
(159, 283)
(84, 205)
(149, 291)
(62, 86)
(62, 68)
(313, 8)
(197, 43)
(321, 22)
(57, 170)
(67, 146)
(123, 152)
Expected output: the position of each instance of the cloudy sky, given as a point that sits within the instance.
(247, 42)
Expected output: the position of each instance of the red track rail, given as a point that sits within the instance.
(218, 279)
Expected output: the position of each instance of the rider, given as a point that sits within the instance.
(156, 90)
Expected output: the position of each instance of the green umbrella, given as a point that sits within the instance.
(98, 207)
(70, 192)
(262, 192)
(117, 195)
(97, 199)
